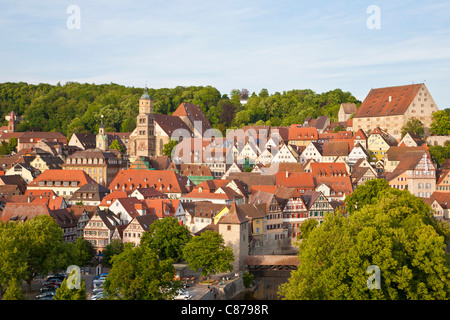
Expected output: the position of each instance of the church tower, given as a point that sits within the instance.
(142, 139)
(101, 140)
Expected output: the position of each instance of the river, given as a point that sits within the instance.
(266, 289)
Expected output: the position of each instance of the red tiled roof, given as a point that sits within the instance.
(116, 194)
(378, 102)
(302, 133)
(337, 184)
(299, 180)
(328, 169)
(63, 175)
(161, 206)
(336, 148)
(234, 216)
(166, 181)
(23, 211)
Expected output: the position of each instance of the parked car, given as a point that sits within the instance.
(183, 295)
(52, 280)
(47, 289)
(45, 294)
(97, 296)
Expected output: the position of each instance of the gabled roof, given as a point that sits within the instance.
(158, 179)
(131, 205)
(388, 101)
(349, 108)
(23, 211)
(328, 169)
(87, 140)
(296, 132)
(360, 135)
(63, 175)
(194, 113)
(398, 153)
(146, 220)
(171, 124)
(160, 207)
(234, 216)
(336, 148)
(337, 184)
(300, 180)
(150, 193)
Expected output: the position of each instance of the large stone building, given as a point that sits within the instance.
(102, 166)
(142, 139)
(391, 107)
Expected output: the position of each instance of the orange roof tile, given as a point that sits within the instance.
(166, 181)
(302, 133)
(63, 176)
(388, 101)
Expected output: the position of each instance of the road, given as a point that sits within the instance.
(196, 289)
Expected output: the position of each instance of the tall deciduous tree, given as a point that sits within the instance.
(441, 123)
(44, 247)
(365, 193)
(138, 274)
(168, 147)
(208, 253)
(13, 259)
(65, 293)
(396, 234)
(167, 237)
(414, 126)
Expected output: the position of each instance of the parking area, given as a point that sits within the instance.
(87, 274)
(196, 289)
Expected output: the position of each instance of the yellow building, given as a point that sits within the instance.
(378, 144)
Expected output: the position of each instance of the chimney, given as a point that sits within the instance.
(287, 174)
(29, 199)
(390, 98)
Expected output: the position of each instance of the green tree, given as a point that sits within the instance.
(117, 145)
(83, 253)
(14, 291)
(64, 293)
(168, 147)
(44, 247)
(306, 227)
(112, 249)
(338, 128)
(208, 253)
(13, 258)
(439, 154)
(441, 123)
(397, 233)
(167, 237)
(365, 194)
(414, 126)
(138, 274)
(242, 118)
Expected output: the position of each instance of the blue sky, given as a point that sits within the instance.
(253, 44)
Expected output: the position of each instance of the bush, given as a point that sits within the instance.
(248, 279)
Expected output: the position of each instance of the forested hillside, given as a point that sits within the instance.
(77, 107)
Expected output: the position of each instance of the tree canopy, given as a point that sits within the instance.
(138, 274)
(397, 234)
(77, 107)
(167, 238)
(208, 253)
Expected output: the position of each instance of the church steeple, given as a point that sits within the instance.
(101, 138)
(145, 103)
